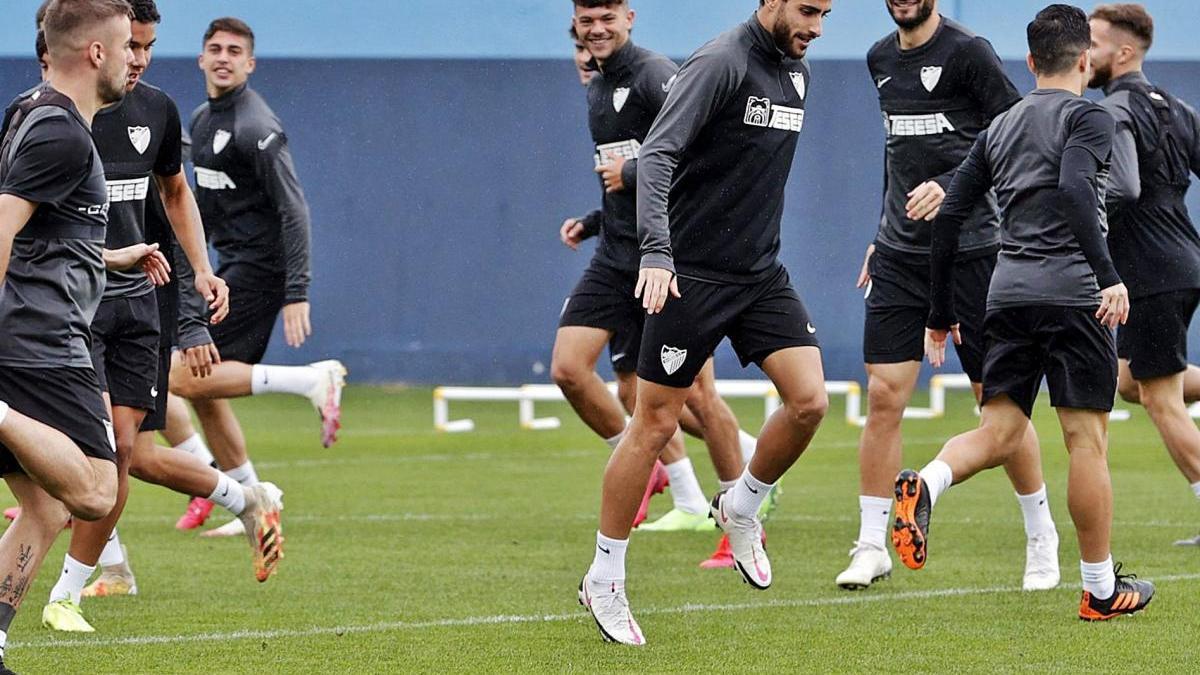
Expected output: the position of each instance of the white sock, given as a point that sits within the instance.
(3, 411)
(748, 495)
(297, 380)
(938, 477)
(685, 488)
(612, 442)
(748, 443)
(727, 484)
(873, 513)
(70, 583)
(1195, 486)
(1036, 509)
(1098, 578)
(196, 447)
(112, 555)
(609, 562)
(229, 494)
(244, 474)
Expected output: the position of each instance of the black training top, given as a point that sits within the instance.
(251, 200)
(935, 99)
(712, 171)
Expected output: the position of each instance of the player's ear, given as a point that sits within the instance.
(250, 65)
(96, 54)
(631, 17)
(1029, 62)
(1085, 61)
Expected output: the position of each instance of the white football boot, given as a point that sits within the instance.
(608, 606)
(1041, 562)
(326, 397)
(868, 564)
(746, 542)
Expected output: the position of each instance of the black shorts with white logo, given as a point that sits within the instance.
(66, 399)
(759, 319)
(1067, 345)
(603, 299)
(125, 346)
(156, 420)
(897, 300)
(1154, 340)
(244, 334)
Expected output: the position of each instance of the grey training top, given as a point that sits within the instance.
(56, 272)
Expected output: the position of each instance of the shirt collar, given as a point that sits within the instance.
(620, 60)
(226, 101)
(763, 38)
(1136, 76)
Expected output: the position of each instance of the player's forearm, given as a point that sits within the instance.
(654, 186)
(193, 308)
(1081, 206)
(592, 223)
(943, 251)
(184, 216)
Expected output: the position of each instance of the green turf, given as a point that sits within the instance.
(409, 550)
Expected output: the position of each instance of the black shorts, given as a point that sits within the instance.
(897, 300)
(67, 399)
(1155, 338)
(125, 346)
(244, 334)
(1067, 345)
(156, 420)
(759, 319)
(603, 299)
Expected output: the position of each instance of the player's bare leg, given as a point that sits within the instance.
(573, 369)
(87, 486)
(24, 545)
(1163, 398)
(1127, 387)
(181, 434)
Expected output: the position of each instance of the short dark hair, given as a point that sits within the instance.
(1057, 36)
(41, 13)
(39, 46)
(1129, 17)
(229, 24)
(145, 11)
(63, 18)
(590, 4)
(572, 32)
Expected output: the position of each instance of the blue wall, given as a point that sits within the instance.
(437, 189)
(536, 28)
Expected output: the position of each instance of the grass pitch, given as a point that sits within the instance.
(409, 550)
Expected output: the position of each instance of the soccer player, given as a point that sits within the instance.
(139, 139)
(1054, 298)
(583, 58)
(1154, 245)
(710, 200)
(57, 454)
(258, 220)
(624, 96)
(939, 85)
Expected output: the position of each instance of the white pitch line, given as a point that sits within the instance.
(513, 619)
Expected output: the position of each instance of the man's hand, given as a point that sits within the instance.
(864, 277)
(214, 291)
(924, 201)
(146, 257)
(611, 172)
(935, 344)
(653, 286)
(296, 326)
(1114, 306)
(201, 358)
(571, 233)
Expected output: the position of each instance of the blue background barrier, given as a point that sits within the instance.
(438, 185)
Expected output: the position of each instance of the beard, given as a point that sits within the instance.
(1101, 76)
(784, 37)
(112, 90)
(923, 13)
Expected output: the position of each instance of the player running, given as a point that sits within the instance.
(57, 454)
(939, 85)
(1153, 242)
(711, 181)
(139, 139)
(625, 94)
(258, 220)
(1047, 158)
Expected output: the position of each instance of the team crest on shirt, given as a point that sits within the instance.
(930, 76)
(672, 359)
(620, 96)
(140, 137)
(798, 83)
(220, 140)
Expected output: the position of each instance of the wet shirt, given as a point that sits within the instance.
(56, 272)
(935, 100)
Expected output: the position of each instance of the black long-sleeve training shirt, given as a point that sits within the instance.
(712, 171)
(249, 196)
(1048, 159)
(1153, 242)
(935, 100)
(624, 98)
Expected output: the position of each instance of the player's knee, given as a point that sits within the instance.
(885, 397)
(1129, 390)
(567, 374)
(1085, 441)
(807, 410)
(92, 505)
(183, 385)
(49, 514)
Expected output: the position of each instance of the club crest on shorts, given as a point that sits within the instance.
(220, 140)
(140, 137)
(672, 358)
(930, 76)
(620, 96)
(798, 83)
